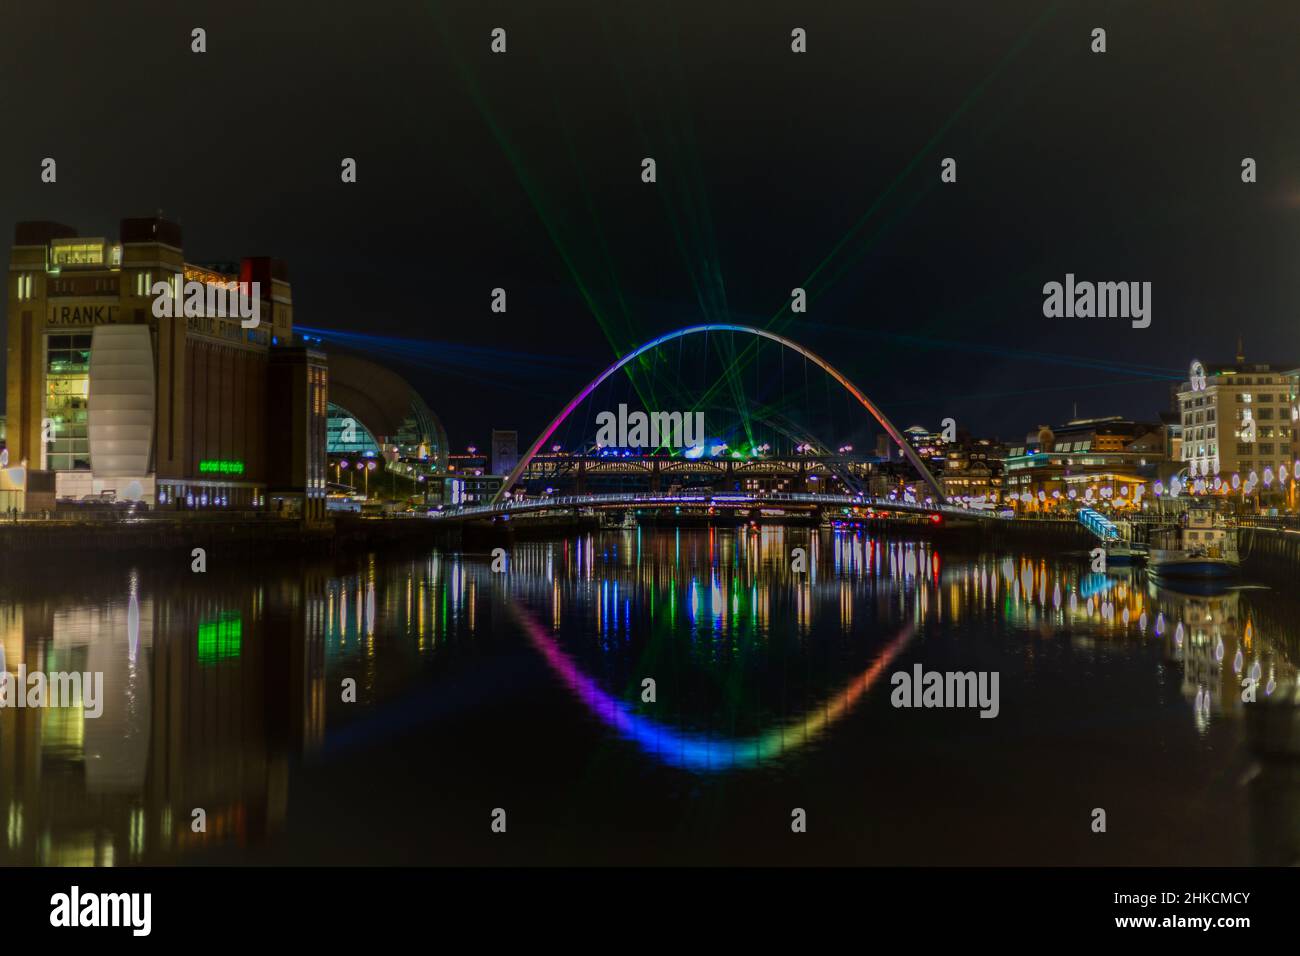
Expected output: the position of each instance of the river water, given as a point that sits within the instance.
(519, 699)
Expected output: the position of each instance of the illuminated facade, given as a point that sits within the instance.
(1238, 419)
(1103, 458)
(175, 411)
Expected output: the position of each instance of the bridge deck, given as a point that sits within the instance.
(731, 501)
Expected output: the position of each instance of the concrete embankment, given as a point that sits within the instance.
(1066, 534)
(980, 534)
(234, 535)
(27, 539)
(1267, 550)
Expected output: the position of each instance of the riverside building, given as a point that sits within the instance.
(1238, 418)
(107, 401)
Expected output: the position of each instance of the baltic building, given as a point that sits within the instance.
(106, 400)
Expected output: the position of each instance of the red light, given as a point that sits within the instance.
(936, 519)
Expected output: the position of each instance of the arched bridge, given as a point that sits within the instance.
(513, 478)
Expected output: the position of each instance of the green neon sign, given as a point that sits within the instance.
(216, 466)
(220, 639)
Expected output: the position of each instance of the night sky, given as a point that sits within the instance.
(775, 170)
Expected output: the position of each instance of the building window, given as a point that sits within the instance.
(77, 252)
(67, 402)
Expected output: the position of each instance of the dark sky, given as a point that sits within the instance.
(522, 171)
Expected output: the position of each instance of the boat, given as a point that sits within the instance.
(1202, 546)
(1121, 553)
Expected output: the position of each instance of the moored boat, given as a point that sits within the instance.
(1203, 545)
(1122, 552)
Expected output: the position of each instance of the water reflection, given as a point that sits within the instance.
(215, 685)
(696, 751)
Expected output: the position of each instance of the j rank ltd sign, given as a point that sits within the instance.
(85, 313)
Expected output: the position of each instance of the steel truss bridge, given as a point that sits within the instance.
(718, 501)
(661, 472)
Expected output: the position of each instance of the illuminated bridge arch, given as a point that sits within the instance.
(816, 359)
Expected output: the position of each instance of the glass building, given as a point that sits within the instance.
(374, 412)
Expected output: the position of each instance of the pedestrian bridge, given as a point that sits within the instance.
(904, 447)
(721, 501)
(1099, 524)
